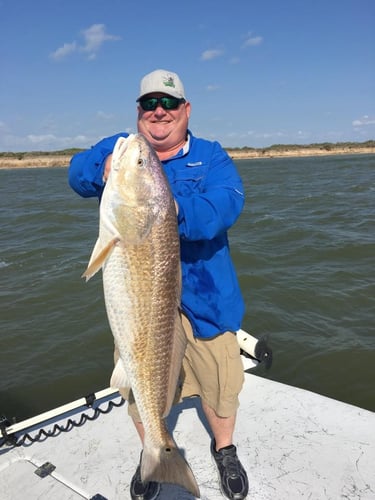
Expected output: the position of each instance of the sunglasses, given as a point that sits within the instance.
(168, 103)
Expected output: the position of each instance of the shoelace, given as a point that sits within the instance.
(231, 465)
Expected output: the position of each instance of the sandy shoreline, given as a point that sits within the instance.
(300, 152)
(32, 160)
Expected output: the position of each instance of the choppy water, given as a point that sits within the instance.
(304, 249)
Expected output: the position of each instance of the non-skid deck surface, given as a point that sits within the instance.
(294, 445)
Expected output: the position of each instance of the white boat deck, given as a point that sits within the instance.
(294, 445)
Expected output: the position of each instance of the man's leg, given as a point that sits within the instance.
(214, 371)
(233, 478)
(140, 429)
(222, 427)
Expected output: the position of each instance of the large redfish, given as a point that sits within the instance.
(138, 251)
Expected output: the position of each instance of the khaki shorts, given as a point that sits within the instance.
(211, 369)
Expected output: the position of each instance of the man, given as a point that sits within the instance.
(209, 198)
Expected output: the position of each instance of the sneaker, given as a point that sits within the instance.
(143, 491)
(233, 478)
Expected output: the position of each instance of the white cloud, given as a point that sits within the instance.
(93, 39)
(63, 51)
(45, 142)
(363, 121)
(104, 116)
(41, 139)
(252, 41)
(212, 88)
(207, 55)
(51, 142)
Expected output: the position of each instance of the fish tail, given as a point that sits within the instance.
(167, 465)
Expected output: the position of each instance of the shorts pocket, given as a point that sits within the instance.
(234, 369)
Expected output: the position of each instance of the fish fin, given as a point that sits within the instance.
(119, 378)
(98, 257)
(167, 465)
(177, 354)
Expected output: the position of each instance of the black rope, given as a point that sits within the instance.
(57, 429)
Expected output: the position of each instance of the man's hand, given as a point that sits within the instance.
(107, 167)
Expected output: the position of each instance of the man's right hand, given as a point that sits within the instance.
(107, 167)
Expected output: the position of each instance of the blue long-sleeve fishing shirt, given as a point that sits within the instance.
(209, 193)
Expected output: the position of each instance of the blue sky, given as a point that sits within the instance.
(257, 72)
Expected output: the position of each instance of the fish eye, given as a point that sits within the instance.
(141, 162)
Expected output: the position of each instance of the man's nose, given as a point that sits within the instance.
(159, 109)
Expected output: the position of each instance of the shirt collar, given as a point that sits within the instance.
(185, 148)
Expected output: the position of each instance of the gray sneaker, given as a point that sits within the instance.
(233, 478)
(140, 490)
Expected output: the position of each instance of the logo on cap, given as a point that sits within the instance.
(169, 82)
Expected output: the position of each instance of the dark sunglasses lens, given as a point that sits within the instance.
(151, 103)
(169, 102)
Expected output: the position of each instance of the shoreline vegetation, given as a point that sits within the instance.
(38, 159)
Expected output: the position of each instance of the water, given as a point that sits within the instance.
(304, 249)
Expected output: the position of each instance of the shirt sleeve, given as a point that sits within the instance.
(206, 214)
(86, 168)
